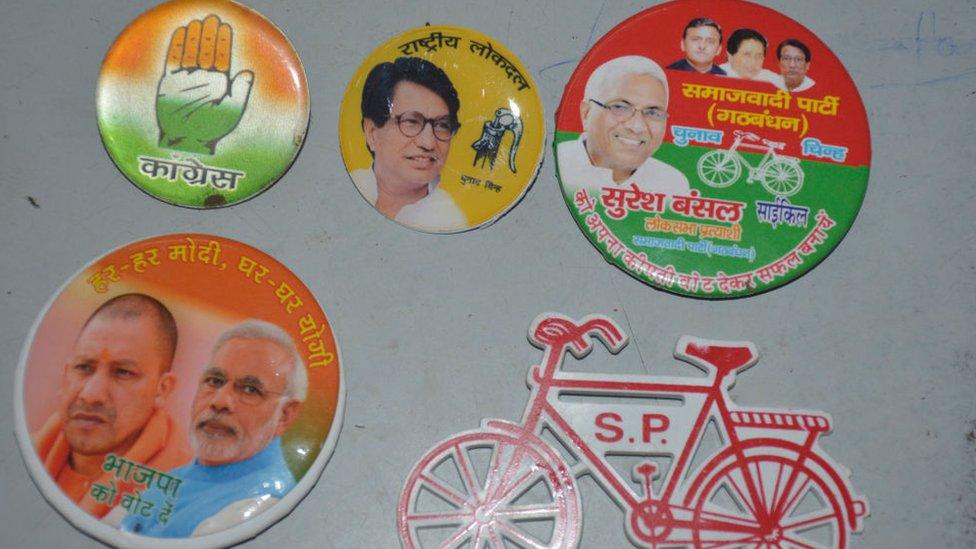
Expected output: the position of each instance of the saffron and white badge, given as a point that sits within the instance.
(725, 157)
(442, 129)
(203, 103)
(183, 390)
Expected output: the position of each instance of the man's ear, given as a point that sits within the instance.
(288, 415)
(369, 129)
(585, 107)
(163, 388)
(682, 43)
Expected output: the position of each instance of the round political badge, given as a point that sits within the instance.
(157, 407)
(725, 157)
(442, 129)
(202, 103)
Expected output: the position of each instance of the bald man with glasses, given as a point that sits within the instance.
(624, 113)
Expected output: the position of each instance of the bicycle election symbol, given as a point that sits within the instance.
(765, 484)
(780, 175)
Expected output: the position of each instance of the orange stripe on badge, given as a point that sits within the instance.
(278, 75)
(208, 42)
(225, 42)
(244, 41)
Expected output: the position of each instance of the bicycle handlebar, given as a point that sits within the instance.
(555, 331)
(775, 145)
(746, 135)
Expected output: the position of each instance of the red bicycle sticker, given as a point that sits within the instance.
(708, 473)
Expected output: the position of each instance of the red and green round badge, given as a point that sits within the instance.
(725, 157)
(202, 103)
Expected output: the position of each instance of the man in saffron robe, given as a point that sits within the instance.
(113, 388)
(248, 396)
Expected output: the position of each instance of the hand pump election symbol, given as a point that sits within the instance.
(202, 104)
(706, 472)
(725, 161)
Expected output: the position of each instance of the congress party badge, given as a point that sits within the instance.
(156, 407)
(442, 129)
(202, 103)
(725, 157)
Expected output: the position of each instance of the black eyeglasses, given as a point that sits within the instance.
(412, 123)
(622, 110)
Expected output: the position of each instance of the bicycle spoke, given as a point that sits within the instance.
(458, 536)
(477, 540)
(464, 467)
(824, 517)
(518, 536)
(542, 510)
(445, 491)
(798, 543)
(775, 499)
(522, 481)
(731, 542)
(494, 540)
(762, 488)
(509, 470)
(494, 465)
(748, 522)
(742, 497)
(784, 511)
(420, 520)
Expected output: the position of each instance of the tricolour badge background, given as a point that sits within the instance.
(269, 134)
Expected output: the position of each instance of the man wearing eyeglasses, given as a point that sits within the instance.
(247, 397)
(794, 62)
(624, 115)
(113, 390)
(410, 114)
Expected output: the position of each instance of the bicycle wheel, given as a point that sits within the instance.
(524, 496)
(719, 168)
(782, 177)
(775, 512)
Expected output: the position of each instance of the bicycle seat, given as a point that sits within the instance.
(725, 357)
(774, 144)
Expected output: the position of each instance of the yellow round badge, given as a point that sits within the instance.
(442, 129)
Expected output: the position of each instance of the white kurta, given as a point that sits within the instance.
(576, 172)
(436, 212)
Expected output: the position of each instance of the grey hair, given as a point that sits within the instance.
(258, 329)
(616, 68)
